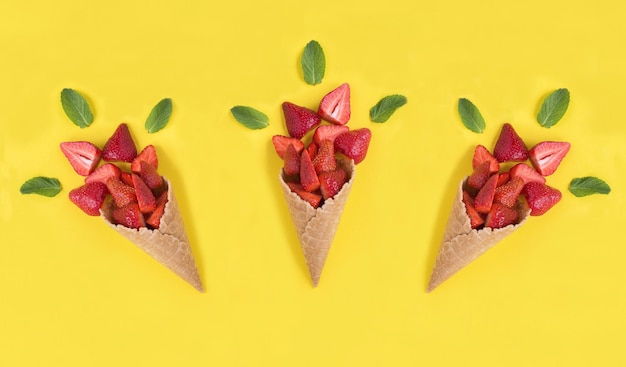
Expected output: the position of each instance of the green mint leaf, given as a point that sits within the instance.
(250, 117)
(553, 108)
(159, 116)
(76, 108)
(588, 185)
(46, 186)
(470, 116)
(383, 110)
(313, 63)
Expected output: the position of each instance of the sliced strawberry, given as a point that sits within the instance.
(500, 216)
(312, 148)
(484, 198)
(308, 178)
(503, 178)
(154, 219)
(145, 198)
(129, 216)
(83, 156)
(103, 173)
(354, 144)
(476, 219)
(546, 156)
(122, 193)
(540, 197)
(313, 198)
(127, 178)
(324, 160)
(120, 147)
(508, 193)
(299, 120)
(332, 182)
(482, 154)
(526, 173)
(148, 154)
(509, 146)
(329, 132)
(89, 197)
(335, 106)
(291, 166)
(479, 176)
(281, 142)
(150, 176)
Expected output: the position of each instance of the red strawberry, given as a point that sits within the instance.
(129, 216)
(149, 175)
(89, 197)
(154, 219)
(526, 173)
(312, 148)
(281, 142)
(313, 198)
(126, 178)
(335, 106)
(479, 176)
(329, 132)
(148, 154)
(122, 193)
(103, 173)
(324, 160)
(540, 197)
(503, 178)
(484, 198)
(546, 156)
(308, 178)
(299, 120)
(476, 220)
(500, 216)
(509, 146)
(145, 198)
(353, 144)
(508, 193)
(332, 182)
(83, 156)
(291, 167)
(481, 154)
(120, 147)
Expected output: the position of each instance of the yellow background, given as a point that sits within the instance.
(74, 293)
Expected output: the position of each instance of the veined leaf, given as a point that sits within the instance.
(313, 63)
(76, 108)
(553, 108)
(588, 185)
(383, 110)
(470, 116)
(46, 186)
(250, 117)
(159, 116)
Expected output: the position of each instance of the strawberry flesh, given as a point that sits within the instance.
(299, 120)
(332, 182)
(103, 173)
(503, 178)
(324, 160)
(312, 148)
(476, 220)
(484, 198)
(308, 178)
(281, 142)
(540, 197)
(335, 106)
(354, 144)
(547, 156)
(154, 219)
(145, 198)
(329, 132)
(291, 166)
(482, 154)
(526, 173)
(82, 155)
(148, 154)
(150, 176)
(313, 198)
(129, 216)
(509, 146)
(89, 197)
(120, 147)
(500, 216)
(126, 178)
(479, 177)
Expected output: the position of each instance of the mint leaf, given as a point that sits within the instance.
(46, 186)
(313, 63)
(588, 185)
(159, 116)
(553, 108)
(76, 108)
(470, 116)
(250, 117)
(383, 110)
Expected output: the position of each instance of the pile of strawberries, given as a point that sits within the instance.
(315, 171)
(138, 192)
(495, 197)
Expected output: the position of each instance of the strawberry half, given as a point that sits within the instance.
(324, 160)
(508, 193)
(335, 106)
(546, 156)
(154, 219)
(509, 146)
(291, 167)
(313, 198)
(150, 176)
(83, 156)
(328, 132)
(354, 144)
(148, 154)
(103, 173)
(299, 120)
(540, 197)
(500, 216)
(129, 216)
(145, 198)
(122, 193)
(482, 154)
(332, 182)
(312, 148)
(120, 147)
(89, 197)
(281, 142)
(476, 220)
(484, 198)
(479, 176)
(526, 173)
(308, 178)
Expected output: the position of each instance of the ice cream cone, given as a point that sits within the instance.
(168, 244)
(461, 244)
(316, 227)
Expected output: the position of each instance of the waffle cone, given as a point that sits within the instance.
(168, 244)
(316, 227)
(461, 244)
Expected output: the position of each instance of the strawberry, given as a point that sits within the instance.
(126, 178)
(481, 154)
(335, 106)
(503, 178)
(145, 198)
(308, 178)
(148, 154)
(478, 178)
(129, 216)
(120, 147)
(325, 161)
(353, 144)
(291, 167)
(329, 132)
(540, 197)
(280, 144)
(154, 219)
(89, 197)
(485, 195)
(312, 148)
(546, 156)
(122, 193)
(476, 220)
(500, 216)
(332, 182)
(508, 193)
(313, 198)
(149, 175)
(509, 146)
(103, 173)
(83, 156)
(299, 120)
(526, 173)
